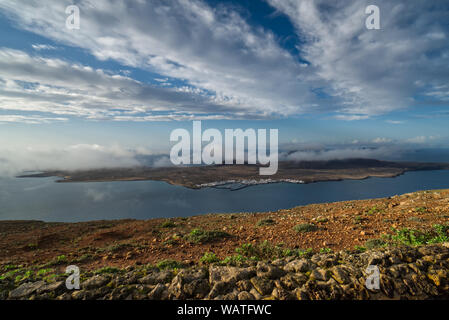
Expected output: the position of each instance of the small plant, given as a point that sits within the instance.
(358, 219)
(265, 222)
(409, 237)
(372, 211)
(56, 261)
(209, 257)
(10, 267)
(108, 270)
(359, 249)
(169, 264)
(50, 278)
(262, 251)
(26, 276)
(168, 224)
(421, 209)
(325, 250)
(441, 234)
(201, 236)
(10, 274)
(305, 227)
(118, 247)
(414, 237)
(234, 260)
(308, 253)
(43, 272)
(61, 259)
(374, 243)
(170, 242)
(83, 258)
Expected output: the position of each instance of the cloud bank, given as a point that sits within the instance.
(228, 67)
(374, 71)
(14, 161)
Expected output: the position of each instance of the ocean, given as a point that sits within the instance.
(43, 199)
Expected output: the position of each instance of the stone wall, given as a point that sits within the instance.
(405, 273)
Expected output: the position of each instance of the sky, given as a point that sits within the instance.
(110, 92)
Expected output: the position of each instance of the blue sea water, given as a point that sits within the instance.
(43, 199)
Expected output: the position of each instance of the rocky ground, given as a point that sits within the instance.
(405, 273)
(224, 255)
(328, 226)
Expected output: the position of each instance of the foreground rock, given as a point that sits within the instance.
(405, 273)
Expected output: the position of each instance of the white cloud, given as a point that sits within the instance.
(32, 83)
(351, 117)
(394, 121)
(339, 153)
(373, 71)
(29, 119)
(381, 140)
(233, 69)
(214, 49)
(420, 139)
(14, 160)
(162, 162)
(39, 47)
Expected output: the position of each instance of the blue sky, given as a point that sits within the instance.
(135, 70)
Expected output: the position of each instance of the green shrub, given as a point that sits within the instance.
(325, 250)
(234, 260)
(358, 219)
(415, 237)
(28, 275)
(169, 264)
(441, 234)
(372, 211)
(10, 267)
(374, 243)
(108, 270)
(168, 224)
(83, 258)
(265, 222)
(209, 257)
(305, 227)
(56, 261)
(61, 259)
(201, 236)
(43, 272)
(118, 247)
(308, 253)
(409, 237)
